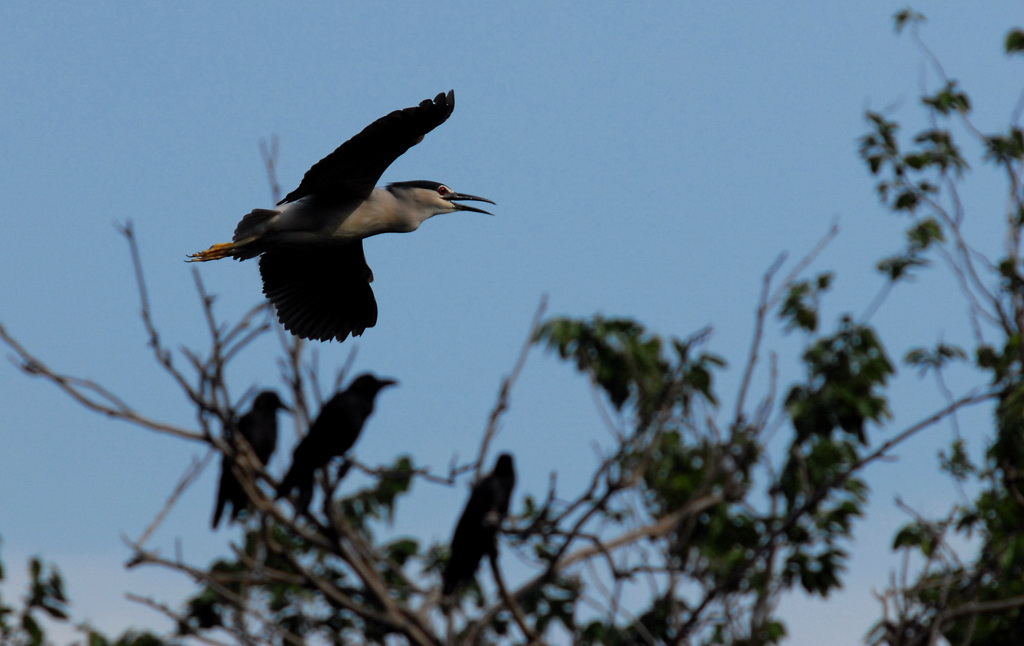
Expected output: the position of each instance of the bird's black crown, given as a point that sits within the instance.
(417, 183)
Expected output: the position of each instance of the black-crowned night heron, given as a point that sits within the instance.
(312, 264)
(334, 432)
(476, 534)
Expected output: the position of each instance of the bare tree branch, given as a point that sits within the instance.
(506, 389)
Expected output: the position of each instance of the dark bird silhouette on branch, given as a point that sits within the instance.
(335, 430)
(312, 264)
(477, 531)
(259, 428)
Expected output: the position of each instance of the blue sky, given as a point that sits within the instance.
(648, 160)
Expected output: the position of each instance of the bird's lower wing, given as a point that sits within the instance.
(320, 293)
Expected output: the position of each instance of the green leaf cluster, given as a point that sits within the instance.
(846, 371)
(800, 306)
(47, 599)
(630, 365)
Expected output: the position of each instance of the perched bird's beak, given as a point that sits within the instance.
(388, 382)
(462, 207)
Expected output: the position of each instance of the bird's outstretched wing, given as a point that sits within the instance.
(352, 170)
(320, 293)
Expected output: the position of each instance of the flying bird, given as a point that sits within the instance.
(477, 531)
(259, 428)
(311, 245)
(335, 430)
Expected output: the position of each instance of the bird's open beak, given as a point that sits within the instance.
(463, 207)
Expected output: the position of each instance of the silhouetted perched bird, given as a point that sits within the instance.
(313, 267)
(335, 430)
(259, 428)
(477, 532)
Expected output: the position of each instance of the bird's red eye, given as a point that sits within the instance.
(443, 190)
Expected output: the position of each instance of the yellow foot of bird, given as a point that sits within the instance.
(216, 252)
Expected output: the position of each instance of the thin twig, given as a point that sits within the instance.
(170, 614)
(269, 154)
(506, 387)
(194, 470)
(90, 394)
(759, 323)
(517, 613)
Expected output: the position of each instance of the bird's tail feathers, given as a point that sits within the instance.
(243, 245)
(254, 224)
(291, 480)
(223, 493)
(217, 512)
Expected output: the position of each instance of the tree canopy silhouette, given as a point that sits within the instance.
(690, 528)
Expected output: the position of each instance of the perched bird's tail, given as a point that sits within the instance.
(295, 478)
(218, 511)
(228, 491)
